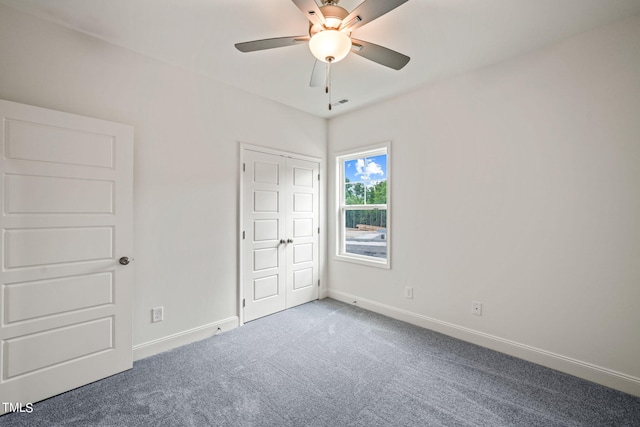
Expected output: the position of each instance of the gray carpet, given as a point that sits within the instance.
(331, 364)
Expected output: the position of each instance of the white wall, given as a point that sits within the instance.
(187, 134)
(517, 186)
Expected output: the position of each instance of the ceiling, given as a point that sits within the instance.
(443, 38)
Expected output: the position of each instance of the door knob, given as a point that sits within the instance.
(125, 260)
(289, 240)
(282, 241)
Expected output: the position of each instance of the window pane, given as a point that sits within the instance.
(366, 232)
(354, 193)
(368, 173)
(377, 193)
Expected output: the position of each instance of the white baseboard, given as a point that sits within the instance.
(149, 348)
(607, 377)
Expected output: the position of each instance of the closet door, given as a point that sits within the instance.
(302, 232)
(264, 234)
(280, 233)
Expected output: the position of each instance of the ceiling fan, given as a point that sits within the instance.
(329, 37)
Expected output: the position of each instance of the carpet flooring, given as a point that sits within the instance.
(328, 363)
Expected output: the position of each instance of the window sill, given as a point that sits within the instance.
(371, 262)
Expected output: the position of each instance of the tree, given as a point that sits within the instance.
(354, 193)
(377, 194)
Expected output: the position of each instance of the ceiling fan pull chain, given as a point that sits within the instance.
(327, 88)
(327, 81)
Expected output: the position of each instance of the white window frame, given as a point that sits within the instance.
(341, 207)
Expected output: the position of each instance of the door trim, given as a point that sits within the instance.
(243, 147)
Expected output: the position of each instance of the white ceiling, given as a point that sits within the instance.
(442, 37)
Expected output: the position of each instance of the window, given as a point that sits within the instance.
(363, 206)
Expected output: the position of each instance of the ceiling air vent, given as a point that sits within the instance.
(342, 101)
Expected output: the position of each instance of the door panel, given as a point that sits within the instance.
(266, 201)
(303, 227)
(38, 141)
(265, 259)
(303, 177)
(265, 229)
(66, 302)
(303, 278)
(265, 287)
(32, 247)
(302, 202)
(302, 253)
(61, 344)
(35, 299)
(57, 195)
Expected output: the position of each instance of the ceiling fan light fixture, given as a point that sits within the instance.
(330, 45)
(333, 23)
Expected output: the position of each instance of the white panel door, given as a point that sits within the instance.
(66, 301)
(302, 232)
(280, 226)
(264, 201)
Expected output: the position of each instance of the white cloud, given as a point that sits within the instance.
(373, 168)
(368, 168)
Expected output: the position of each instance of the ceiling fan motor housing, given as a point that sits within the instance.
(333, 16)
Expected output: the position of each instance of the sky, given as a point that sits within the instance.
(366, 169)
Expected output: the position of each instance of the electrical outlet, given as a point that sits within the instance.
(476, 308)
(157, 314)
(408, 292)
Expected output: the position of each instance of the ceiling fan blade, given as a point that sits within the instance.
(311, 11)
(381, 55)
(318, 77)
(270, 43)
(367, 11)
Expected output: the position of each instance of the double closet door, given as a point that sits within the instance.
(280, 233)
